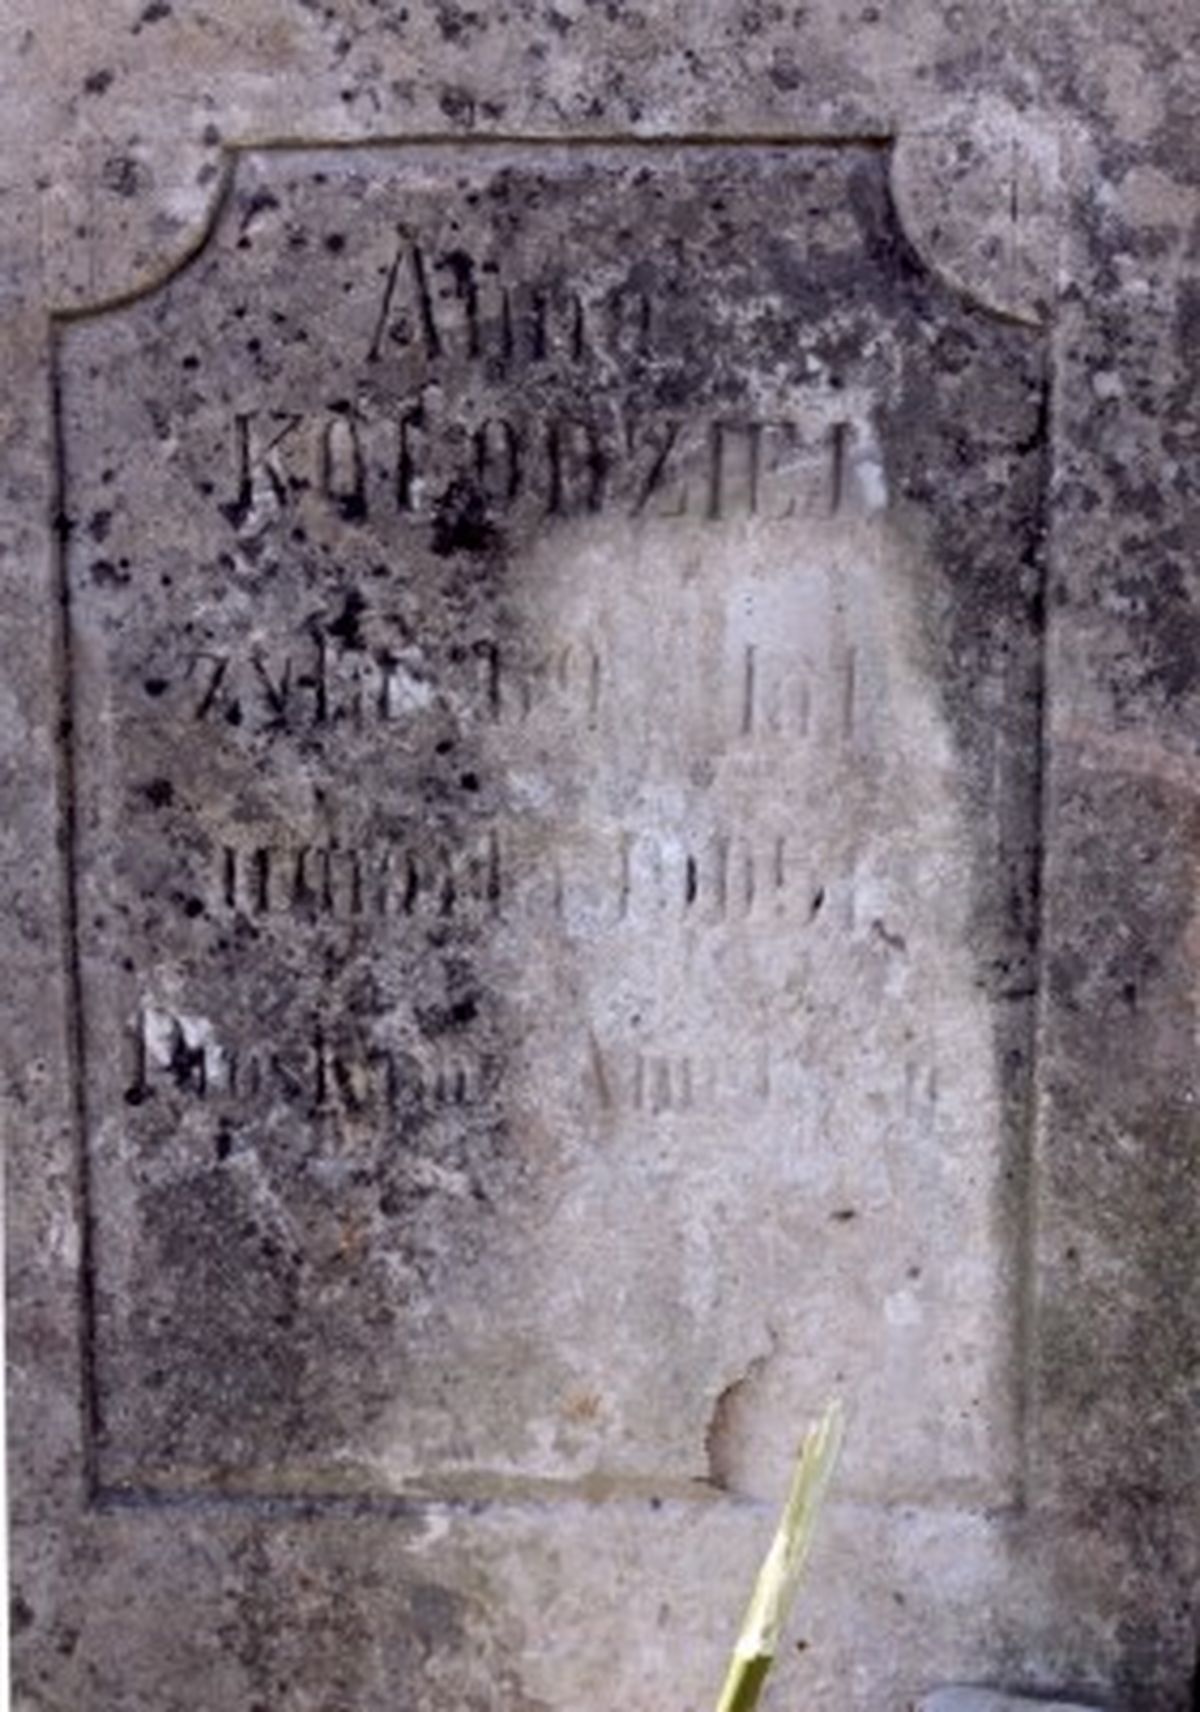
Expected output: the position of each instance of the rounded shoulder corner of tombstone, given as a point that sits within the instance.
(978, 191)
(159, 261)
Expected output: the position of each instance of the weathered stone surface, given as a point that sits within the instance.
(575, 686)
(555, 799)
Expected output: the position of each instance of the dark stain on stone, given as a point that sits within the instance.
(462, 523)
(346, 628)
(105, 574)
(785, 73)
(457, 24)
(123, 175)
(458, 105)
(159, 793)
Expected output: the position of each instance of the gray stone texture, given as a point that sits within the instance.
(987, 1700)
(600, 699)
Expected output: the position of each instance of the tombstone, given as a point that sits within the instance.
(575, 885)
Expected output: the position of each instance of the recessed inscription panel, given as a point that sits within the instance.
(553, 890)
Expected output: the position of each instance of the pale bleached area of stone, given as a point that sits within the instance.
(764, 721)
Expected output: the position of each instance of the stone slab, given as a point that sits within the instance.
(233, 1487)
(555, 800)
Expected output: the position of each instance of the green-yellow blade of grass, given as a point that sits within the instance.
(783, 1566)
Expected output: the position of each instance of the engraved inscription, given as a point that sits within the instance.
(359, 466)
(699, 878)
(182, 1055)
(453, 306)
(274, 687)
(537, 833)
